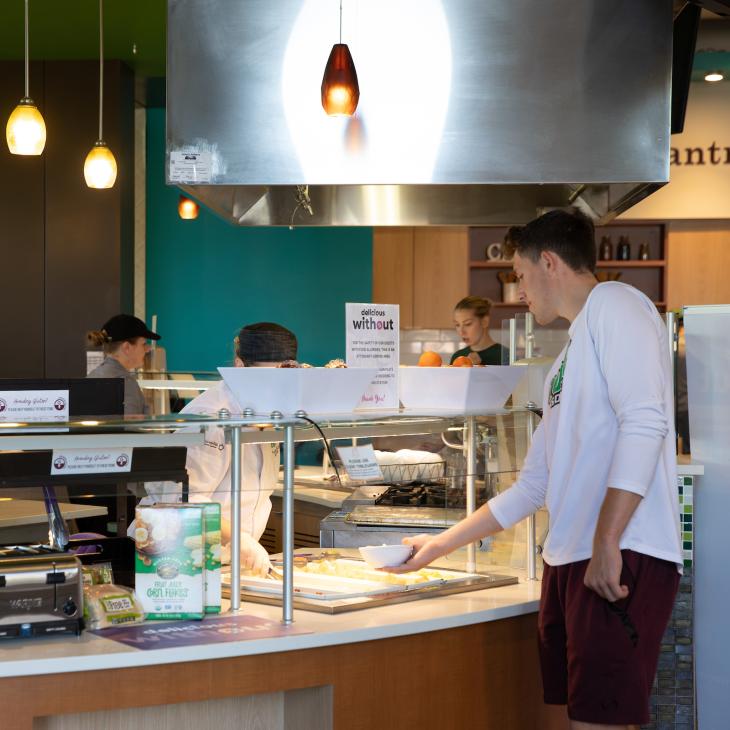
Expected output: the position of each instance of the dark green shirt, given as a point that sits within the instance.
(492, 355)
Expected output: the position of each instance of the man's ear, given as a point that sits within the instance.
(239, 363)
(550, 260)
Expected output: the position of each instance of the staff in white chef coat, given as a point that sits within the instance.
(264, 344)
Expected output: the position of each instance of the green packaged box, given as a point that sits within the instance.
(169, 541)
(212, 574)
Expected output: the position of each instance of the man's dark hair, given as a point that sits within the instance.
(567, 233)
(265, 342)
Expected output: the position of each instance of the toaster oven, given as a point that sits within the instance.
(40, 595)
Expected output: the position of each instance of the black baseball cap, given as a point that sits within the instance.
(126, 327)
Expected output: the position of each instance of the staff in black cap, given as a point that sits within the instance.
(124, 339)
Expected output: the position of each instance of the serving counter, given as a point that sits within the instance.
(458, 661)
(462, 660)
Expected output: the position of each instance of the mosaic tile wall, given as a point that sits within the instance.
(686, 485)
(672, 700)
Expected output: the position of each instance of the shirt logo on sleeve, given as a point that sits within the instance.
(556, 385)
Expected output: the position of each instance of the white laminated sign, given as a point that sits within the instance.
(91, 461)
(360, 462)
(33, 405)
(373, 340)
(190, 167)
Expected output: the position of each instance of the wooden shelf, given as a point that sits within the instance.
(490, 264)
(652, 264)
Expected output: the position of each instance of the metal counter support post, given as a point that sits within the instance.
(531, 525)
(287, 616)
(470, 439)
(235, 517)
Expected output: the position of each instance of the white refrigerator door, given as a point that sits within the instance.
(707, 333)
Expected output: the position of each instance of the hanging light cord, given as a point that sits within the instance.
(340, 22)
(101, 64)
(27, 64)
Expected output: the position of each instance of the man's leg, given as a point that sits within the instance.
(613, 648)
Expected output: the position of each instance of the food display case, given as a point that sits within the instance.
(483, 454)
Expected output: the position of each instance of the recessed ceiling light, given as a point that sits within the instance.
(714, 76)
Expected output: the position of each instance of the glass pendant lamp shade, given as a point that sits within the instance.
(26, 131)
(100, 167)
(340, 90)
(187, 209)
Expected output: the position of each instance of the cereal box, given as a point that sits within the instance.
(212, 574)
(169, 541)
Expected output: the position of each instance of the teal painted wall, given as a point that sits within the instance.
(206, 278)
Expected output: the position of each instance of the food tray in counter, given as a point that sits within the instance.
(405, 516)
(345, 578)
(327, 586)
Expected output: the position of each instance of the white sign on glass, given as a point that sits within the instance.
(360, 462)
(91, 461)
(373, 340)
(33, 405)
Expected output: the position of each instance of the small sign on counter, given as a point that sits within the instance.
(373, 340)
(91, 461)
(33, 405)
(360, 462)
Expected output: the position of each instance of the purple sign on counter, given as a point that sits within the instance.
(212, 630)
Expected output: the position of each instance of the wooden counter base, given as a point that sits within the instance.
(480, 676)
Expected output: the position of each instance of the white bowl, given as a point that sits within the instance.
(385, 556)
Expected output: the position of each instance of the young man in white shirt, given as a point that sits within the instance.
(603, 462)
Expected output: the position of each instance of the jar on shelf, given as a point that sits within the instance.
(623, 250)
(644, 252)
(605, 250)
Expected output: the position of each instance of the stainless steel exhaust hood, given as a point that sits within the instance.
(478, 112)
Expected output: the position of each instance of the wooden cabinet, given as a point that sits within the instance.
(650, 276)
(425, 270)
(21, 241)
(393, 270)
(67, 250)
(698, 262)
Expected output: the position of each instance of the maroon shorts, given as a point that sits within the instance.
(597, 657)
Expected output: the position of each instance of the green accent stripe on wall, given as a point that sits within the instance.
(206, 278)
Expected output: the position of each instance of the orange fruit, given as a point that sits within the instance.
(462, 362)
(430, 359)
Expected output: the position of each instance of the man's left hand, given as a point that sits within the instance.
(603, 574)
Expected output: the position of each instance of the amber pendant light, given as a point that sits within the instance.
(340, 90)
(100, 167)
(187, 209)
(25, 131)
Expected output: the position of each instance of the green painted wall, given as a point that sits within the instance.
(206, 278)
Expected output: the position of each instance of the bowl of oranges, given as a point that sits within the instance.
(462, 386)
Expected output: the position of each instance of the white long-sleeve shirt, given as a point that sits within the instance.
(607, 422)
